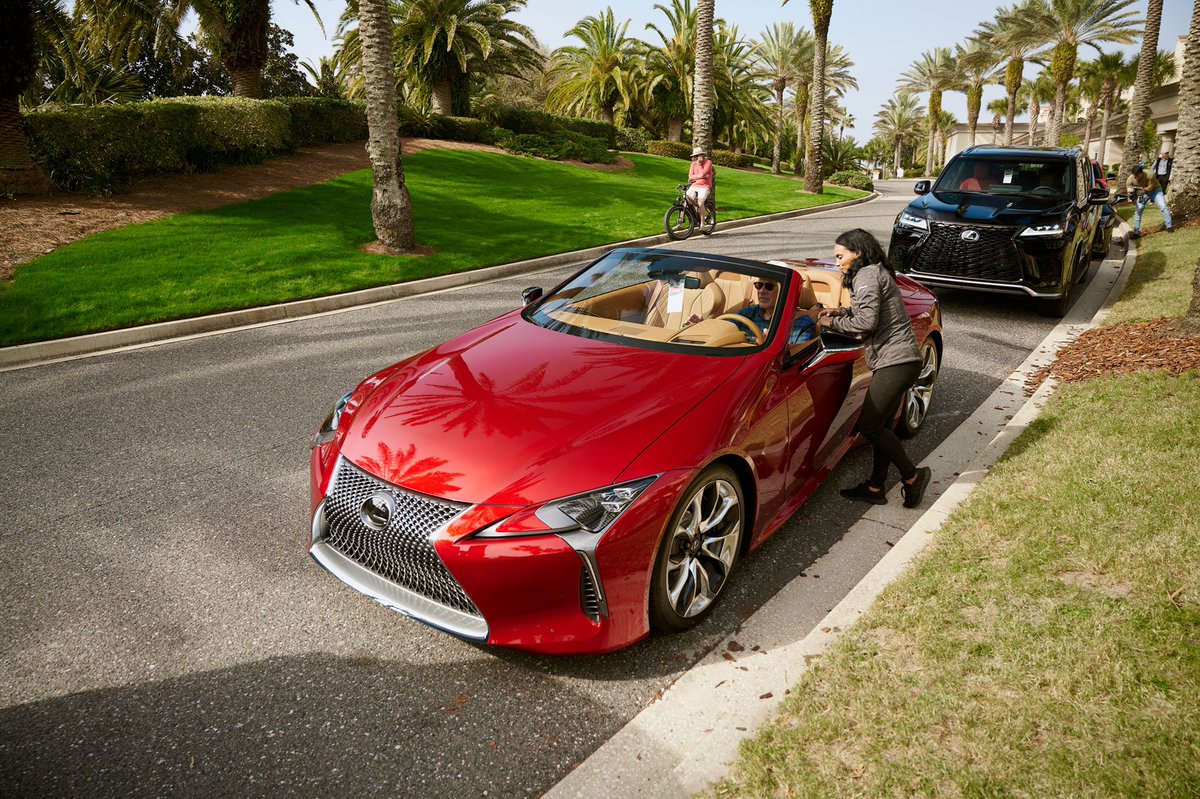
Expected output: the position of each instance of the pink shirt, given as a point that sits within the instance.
(701, 174)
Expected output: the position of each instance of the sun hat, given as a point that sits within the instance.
(1140, 165)
(697, 151)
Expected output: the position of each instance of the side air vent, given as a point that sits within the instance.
(589, 598)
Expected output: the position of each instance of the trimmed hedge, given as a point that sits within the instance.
(100, 148)
(561, 145)
(731, 159)
(437, 126)
(855, 180)
(527, 120)
(670, 149)
(632, 140)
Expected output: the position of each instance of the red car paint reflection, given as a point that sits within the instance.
(570, 475)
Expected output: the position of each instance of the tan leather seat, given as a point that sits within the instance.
(738, 290)
(704, 302)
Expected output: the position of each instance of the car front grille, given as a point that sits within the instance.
(401, 551)
(992, 257)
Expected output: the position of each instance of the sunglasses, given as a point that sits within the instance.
(764, 286)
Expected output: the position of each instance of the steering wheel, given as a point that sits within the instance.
(1043, 190)
(750, 325)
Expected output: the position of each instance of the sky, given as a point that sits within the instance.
(883, 37)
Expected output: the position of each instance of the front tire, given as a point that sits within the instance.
(710, 218)
(678, 222)
(915, 408)
(698, 552)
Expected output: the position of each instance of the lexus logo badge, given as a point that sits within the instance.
(377, 510)
(970, 235)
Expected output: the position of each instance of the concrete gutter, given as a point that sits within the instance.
(688, 739)
(95, 343)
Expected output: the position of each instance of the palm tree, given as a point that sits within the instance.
(1066, 24)
(391, 208)
(702, 102)
(670, 68)
(441, 42)
(28, 28)
(1185, 174)
(592, 78)
(778, 64)
(801, 86)
(899, 121)
(840, 155)
(822, 13)
(997, 108)
(1115, 74)
(838, 81)
(1013, 36)
(932, 73)
(1039, 90)
(946, 123)
(740, 108)
(976, 66)
(1091, 85)
(1139, 109)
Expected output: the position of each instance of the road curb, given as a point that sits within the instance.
(688, 739)
(23, 355)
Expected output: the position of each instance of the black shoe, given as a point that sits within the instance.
(1170, 230)
(863, 491)
(1135, 235)
(914, 491)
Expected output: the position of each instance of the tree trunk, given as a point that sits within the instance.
(18, 172)
(777, 150)
(1185, 173)
(675, 129)
(1035, 111)
(391, 208)
(822, 12)
(1189, 325)
(1087, 132)
(935, 114)
(1109, 90)
(1139, 109)
(1063, 65)
(974, 105)
(1012, 85)
(802, 100)
(442, 96)
(247, 81)
(702, 97)
(609, 112)
(896, 162)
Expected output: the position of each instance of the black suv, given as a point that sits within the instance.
(1009, 220)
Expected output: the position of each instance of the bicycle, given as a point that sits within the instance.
(681, 219)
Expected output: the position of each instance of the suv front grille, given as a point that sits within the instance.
(401, 551)
(992, 257)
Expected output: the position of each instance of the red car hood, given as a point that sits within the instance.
(512, 414)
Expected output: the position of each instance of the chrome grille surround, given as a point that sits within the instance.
(993, 257)
(397, 564)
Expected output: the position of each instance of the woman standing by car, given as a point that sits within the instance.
(877, 313)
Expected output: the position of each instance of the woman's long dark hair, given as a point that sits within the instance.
(869, 250)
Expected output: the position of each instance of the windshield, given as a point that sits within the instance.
(665, 300)
(1050, 178)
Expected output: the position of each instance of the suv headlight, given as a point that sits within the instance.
(913, 221)
(1055, 229)
(329, 426)
(594, 511)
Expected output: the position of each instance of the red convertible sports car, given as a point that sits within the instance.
(576, 473)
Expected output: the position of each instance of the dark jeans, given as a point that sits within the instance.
(879, 411)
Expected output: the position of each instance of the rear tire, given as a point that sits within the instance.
(678, 222)
(698, 551)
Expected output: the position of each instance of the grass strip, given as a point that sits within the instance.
(475, 209)
(1162, 283)
(1048, 642)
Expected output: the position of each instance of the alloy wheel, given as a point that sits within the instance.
(703, 547)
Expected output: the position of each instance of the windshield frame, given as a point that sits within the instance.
(961, 168)
(536, 313)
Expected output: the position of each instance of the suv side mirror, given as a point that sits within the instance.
(531, 294)
(1099, 194)
(922, 187)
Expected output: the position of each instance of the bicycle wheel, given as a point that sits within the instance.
(710, 218)
(678, 222)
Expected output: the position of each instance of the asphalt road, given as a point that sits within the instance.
(165, 632)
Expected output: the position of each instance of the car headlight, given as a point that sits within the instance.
(595, 511)
(330, 425)
(913, 221)
(1055, 229)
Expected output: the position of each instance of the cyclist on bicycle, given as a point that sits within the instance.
(700, 181)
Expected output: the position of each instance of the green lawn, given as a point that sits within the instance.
(1048, 643)
(474, 209)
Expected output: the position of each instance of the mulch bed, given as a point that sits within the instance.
(1122, 349)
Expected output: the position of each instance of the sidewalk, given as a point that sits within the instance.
(690, 738)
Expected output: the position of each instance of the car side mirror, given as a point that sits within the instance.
(531, 294)
(1099, 194)
(922, 187)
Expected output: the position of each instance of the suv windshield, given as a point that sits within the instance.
(668, 300)
(1049, 177)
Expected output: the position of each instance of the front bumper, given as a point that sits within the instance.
(549, 593)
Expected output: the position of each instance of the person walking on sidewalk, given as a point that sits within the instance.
(877, 313)
(1143, 188)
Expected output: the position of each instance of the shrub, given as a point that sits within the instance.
(670, 149)
(437, 126)
(730, 159)
(855, 180)
(235, 130)
(561, 145)
(528, 120)
(320, 120)
(632, 140)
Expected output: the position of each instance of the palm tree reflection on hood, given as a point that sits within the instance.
(402, 467)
